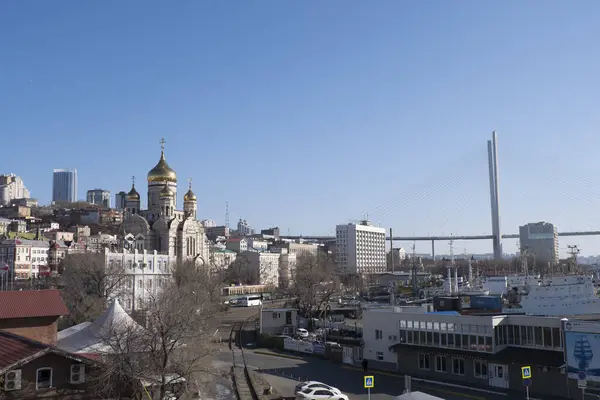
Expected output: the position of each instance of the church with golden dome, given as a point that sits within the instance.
(161, 226)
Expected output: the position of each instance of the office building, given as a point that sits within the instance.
(120, 200)
(540, 240)
(360, 248)
(99, 196)
(12, 188)
(64, 186)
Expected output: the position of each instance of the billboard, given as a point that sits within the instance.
(582, 348)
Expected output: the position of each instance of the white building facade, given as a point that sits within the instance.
(27, 258)
(360, 248)
(266, 264)
(12, 188)
(145, 275)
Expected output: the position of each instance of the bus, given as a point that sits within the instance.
(249, 301)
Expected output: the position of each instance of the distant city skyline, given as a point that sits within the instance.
(338, 112)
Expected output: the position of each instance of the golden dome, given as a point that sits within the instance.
(162, 172)
(189, 196)
(166, 192)
(133, 195)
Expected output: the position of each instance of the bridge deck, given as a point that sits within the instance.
(453, 237)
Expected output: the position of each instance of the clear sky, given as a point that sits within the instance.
(305, 114)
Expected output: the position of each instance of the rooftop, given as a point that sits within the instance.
(15, 350)
(32, 304)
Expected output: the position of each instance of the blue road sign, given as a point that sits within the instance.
(369, 382)
(526, 372)
(527, 382)
(582, 375)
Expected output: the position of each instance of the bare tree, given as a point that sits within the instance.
(87, 284)
(172, 347)
(241, 272)
(314, 283)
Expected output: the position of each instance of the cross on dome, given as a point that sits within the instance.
(162, 144)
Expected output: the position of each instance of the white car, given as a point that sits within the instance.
(314, 384)
(320, 393)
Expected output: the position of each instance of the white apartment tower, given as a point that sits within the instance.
(360, 248)
(12, 188)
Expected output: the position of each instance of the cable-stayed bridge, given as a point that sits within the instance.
(466, 178)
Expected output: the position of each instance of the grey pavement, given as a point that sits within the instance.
(283, 374)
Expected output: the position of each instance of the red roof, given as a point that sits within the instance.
(15, 349)
(32, 304)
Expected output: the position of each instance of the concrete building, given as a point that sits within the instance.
(64, 186)
(208, 223)
(221, 259)
(27, 258)
(257, 244)
(360, 248)
(243, 228)
(145, 274)
(295, 248)
(287, 268)
(12, 188)
(265, 265)
(121, 200)
(238, 245)
(215, 232)
(278, 320)
(540, 240)
(99, 196)
(481, 351)
(274, 232)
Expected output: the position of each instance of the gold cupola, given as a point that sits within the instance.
(189, 196)
(166, 192)
(162, 172)
(133, 195)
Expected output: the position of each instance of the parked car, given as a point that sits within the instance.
(315, 384)
(303, 333)
(318, 393)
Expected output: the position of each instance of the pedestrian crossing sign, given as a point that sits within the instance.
(369, 382)
(526, 372)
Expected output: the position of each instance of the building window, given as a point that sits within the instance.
(481, 370)
(378, 334)
(140, 283)
(458, 366)
(424, 361)
(44, 378)
(379, 356)
(441, 364)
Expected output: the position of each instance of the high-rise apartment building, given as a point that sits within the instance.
(540, 240)
(99, 196)
(12, 188)
(360, 248)
(120, 200)
(64, 185)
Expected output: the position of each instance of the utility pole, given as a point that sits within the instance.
(573, 252)
(227, 214)
(415, 287)
(392, 250)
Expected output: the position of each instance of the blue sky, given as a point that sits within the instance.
(305, 114)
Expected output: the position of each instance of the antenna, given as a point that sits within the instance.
(573, 251)
(227, 214)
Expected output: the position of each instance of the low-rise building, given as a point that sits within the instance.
(59, 236)
(238, 245)
(97, 243)
(26, 258)
(142, 274)
(15, 212)
(257, 244)
(479, 351)
(264, 265)
(278, 320)
(221, 259)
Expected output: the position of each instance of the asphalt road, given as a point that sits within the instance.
(283, 374)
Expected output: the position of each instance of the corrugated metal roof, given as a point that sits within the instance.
(14, 348)
(32, 304)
